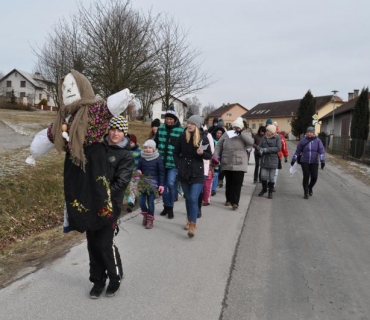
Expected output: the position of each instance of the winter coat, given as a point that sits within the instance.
(166, 139)
(153, 168)
(136, 152)
(257, 140)
(234, 156)
(207, 162)
(313, 150)
(284, 152)
(189, 163)
(94, 198)
(270, 148)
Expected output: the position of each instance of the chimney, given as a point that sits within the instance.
(355, 93)
(350, 96)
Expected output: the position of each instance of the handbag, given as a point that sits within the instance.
(279, 164)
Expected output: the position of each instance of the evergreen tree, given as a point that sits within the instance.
(360, 123)
(13, 98)
(306, 109)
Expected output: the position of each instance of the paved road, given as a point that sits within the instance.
(286, 258)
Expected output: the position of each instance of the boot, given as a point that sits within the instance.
(149, 221)
(165, 211)
(170, 212)
(187, 224)
(145, 214)
(97, 289)
(305, 192)
(191, 232)
(271, 189)
(264, 189)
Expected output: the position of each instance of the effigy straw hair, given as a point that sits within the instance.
(78, 129)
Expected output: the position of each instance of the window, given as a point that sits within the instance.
(23, 84)
(40, 96)
(163, 116)
(16, 74)
(8, 84)
(228, 115)
(22, 94)
(253, 126)
(163, 107)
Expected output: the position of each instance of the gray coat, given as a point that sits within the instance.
(232, 151)
(270, 148)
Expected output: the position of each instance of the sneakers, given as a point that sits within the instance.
(227, 203)
(213, 193)
(113, 287)
(97, 289)
(130, 207)
(235, 207)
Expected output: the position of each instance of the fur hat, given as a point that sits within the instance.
(271, 128)
(150, 143)
(238, 123)
(171, 113)
(197, 120)
(119, 123)
(156, 123)
(133, 138)
(310, 129)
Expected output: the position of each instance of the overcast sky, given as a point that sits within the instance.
(257, 50)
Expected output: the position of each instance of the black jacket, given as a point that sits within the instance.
(190, 164)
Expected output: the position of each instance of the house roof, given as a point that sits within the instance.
(38, 83)
(343, 108)
(285, 108)
(224, 108)
(174, 98)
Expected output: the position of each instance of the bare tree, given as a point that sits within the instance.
(179, 69)
(194, 106)
(208, 109)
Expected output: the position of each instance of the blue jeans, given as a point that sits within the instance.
(146, 202)
(169, 187)
(215, 181)
(191, 193)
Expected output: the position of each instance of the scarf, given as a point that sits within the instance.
(150, 156)
(77, 131)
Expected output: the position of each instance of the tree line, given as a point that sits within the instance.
(116, 46)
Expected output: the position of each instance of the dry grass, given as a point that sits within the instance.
(31, 201)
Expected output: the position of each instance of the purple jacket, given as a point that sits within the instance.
(313, 151)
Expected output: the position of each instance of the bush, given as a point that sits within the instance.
(43, 102)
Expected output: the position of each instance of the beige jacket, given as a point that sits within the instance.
(232, 151)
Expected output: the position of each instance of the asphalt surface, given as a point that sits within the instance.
(167, 274)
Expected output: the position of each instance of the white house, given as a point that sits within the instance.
(158, 109)
(28, 88)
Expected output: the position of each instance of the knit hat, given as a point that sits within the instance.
(268, 121)
(271, 128)
(156, 123)
(150, 143)
(221, 122)
(215, 120)
(310, 129)
(133, 138)
(171, 113)
(119, 123)
(197, 120)
(238, 123)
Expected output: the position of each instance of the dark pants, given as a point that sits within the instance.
(310, 172)
(104, 256)
(257, 172)
(234, 182)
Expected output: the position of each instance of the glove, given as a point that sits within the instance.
(286, 160)
(139, 172)
(322, 165)
(160, 189)
(292, 163)
(216, 160)
(238, 133)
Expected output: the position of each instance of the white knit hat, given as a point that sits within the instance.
(271, 128)
(238, 123)
(150, 143)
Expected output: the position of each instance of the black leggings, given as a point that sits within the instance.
(310, 170)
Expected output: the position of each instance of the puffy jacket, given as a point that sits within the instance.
(313, 150)
(284, 152)
(153, 168)
(233, 150)
(189, 163)
(270, 148)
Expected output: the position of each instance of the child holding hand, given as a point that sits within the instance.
(151, 165)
